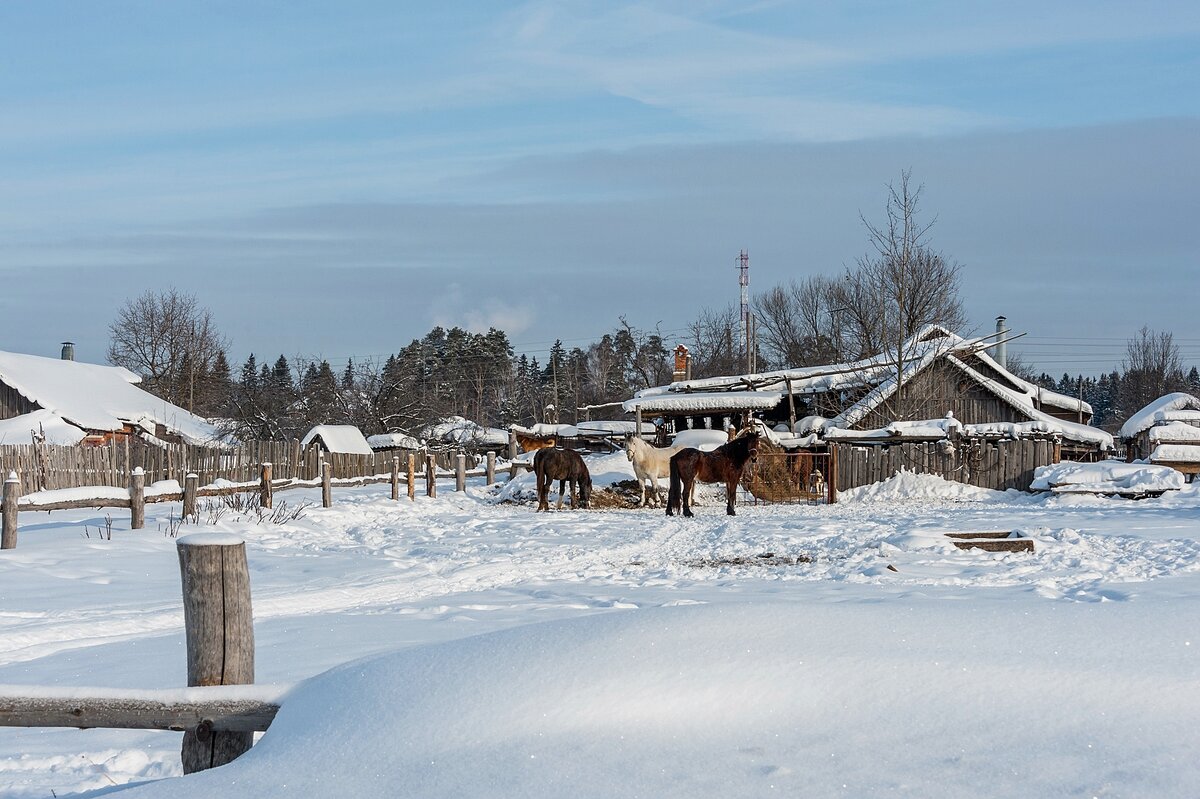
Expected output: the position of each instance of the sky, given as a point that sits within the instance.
(334, 179)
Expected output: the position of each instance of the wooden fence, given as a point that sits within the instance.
(46, 466)
(999, 465)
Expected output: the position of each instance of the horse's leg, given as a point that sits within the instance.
(730, 495)
(653, 475)
(562, 484)
(543, 491)
(689, 484)
(673, 492)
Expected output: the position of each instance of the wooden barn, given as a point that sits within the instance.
(67, 402)
(940, 375)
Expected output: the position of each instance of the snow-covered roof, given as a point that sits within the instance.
(924, 429)
(1175, 453)
(707, 401)
(393, 441)
(879, 373)
(20, 429)
(457, 430)
(343, 439)
(1174, 432)
(95, 397)
(591, 429)
(1170, 407)
(1106, 477)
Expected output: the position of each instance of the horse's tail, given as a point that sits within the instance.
(674, 495)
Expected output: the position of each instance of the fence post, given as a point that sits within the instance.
(430, 476)
(12, 493)
(512, 444)
(412, 476)
(460, 472)
(220, 636)
(264, 486)
(191, 487)
(831, 482)
(491, 467)
(326, 485)
(395, 477)
(512, 470)
(137, 499)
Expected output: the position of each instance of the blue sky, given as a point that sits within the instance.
(335, 178)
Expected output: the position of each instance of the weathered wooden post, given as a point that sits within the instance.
(264, 486)
(512, 444)
(412, 476)
(12, 494)
(326, 484)
(491, 467)
(137, 498)
(191, 488)
(513, 470)
(430, 476)
(219, 630)
(395, 477)
(460, 472)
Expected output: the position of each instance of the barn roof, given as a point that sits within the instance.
(344, 439)
(95, 397)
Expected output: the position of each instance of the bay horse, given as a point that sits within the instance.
(723, 465)
(649, 463)
(565, 466)
(529, 443)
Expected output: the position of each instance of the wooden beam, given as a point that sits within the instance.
(136, 713)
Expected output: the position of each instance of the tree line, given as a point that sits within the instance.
(900, 285)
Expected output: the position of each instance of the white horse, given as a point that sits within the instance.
(649, 463)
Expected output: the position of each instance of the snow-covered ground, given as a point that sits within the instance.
(883, 662)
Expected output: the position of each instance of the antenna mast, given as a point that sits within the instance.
(743, 262)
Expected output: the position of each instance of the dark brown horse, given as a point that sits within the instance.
(565, 466)
(723, 465)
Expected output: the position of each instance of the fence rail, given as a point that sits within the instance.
(46, 466)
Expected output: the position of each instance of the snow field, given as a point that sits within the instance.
(1092, 637)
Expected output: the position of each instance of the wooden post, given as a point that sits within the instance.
(791, 407)
(395, 477)
(191, 487)
(512, 444)
(264, 486)
(491, 468)
(513, 470)
(326, 485)
(637, 421)
(430, 476)
(831, 479)
(219, 631)
(412, 476)
(460, 472)
(12, 493)
(137, 499)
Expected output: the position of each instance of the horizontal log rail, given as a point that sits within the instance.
(136, 713)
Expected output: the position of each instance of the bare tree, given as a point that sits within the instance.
(901, 287)
(1153, 366)
(168, 339)
(710, 343)
(800, 322)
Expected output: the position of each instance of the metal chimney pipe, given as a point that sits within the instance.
(1001, 351)
(68, 350)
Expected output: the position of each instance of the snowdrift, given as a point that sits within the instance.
(743, 701)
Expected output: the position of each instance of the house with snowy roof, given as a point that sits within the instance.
(941, 376)
(338, 439)
(66, 402)
(1166, 432)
